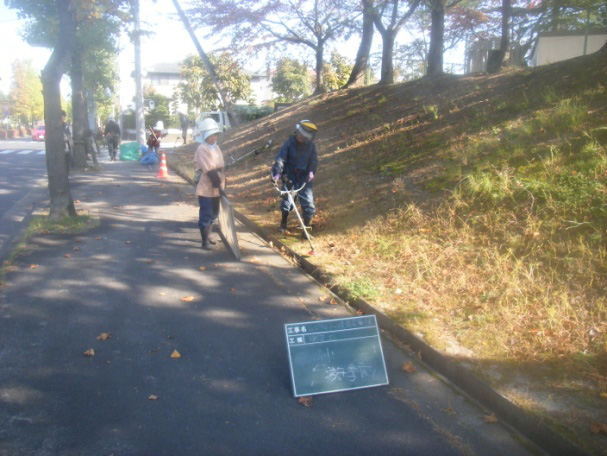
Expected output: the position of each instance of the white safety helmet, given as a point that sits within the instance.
(307, 129)
(159, 125)
(205, 128)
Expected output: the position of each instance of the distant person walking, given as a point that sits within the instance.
(209, 160)
(185, 123)
(112, 134)
(296, 165)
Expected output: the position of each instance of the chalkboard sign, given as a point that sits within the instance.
(328, 356)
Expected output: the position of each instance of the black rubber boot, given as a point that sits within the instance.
(283, 222)
(204, 234)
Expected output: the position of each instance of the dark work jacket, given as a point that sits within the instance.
(296, 159)
(112, 128)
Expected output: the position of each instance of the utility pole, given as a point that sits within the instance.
(139, 119)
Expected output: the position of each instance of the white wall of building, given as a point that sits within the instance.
(551, 49)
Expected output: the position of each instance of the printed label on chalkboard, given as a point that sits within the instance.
(328, 356)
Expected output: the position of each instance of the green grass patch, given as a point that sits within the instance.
(68, 225)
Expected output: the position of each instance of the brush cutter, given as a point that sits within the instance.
(291, 194)
(257, 151)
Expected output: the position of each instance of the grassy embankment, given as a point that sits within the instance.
(473, 211)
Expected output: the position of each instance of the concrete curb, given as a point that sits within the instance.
(531, 427)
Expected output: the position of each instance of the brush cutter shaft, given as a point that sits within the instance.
(257, 151)
(291, 194)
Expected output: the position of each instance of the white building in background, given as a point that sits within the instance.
(164, 78)
(556, 46)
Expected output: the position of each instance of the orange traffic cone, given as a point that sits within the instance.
(163, 172)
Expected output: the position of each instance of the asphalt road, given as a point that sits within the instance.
(141, 277)
(22, 170)
(22, 164)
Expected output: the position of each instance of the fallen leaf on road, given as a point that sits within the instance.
(175, 354)
(202, 268)
(33, 266)
(597, 428)
(98, 238)
(152, 397)
(233, 290)
(409, 367)
(75, 249)
(322, 298)
(104, 336)
(490, 419)
(67, 255)
(359, 312)
(333, 301)
(149, 261)
(187, 298)
(89, 352)
(305, 401)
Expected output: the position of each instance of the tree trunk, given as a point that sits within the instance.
(80, 121)
(387, 55)
(437, 37)
(319, 64)
(89, 137)
(362, 56)
(61, 203)
(496, 60)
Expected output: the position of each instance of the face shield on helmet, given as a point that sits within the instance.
(205, 128)
(306, 129)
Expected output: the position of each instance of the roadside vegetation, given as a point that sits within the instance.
(473, 211)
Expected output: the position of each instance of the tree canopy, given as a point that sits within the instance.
(291, 81)
(198, 91)
(26, 93)
(265, 24)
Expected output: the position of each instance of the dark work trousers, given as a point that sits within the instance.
(209, 210)
(305, 196)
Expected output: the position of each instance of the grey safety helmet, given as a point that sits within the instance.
(205, 128)
(306, 129)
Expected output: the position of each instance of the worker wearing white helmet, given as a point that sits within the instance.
(296, 163)
(209, 160)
